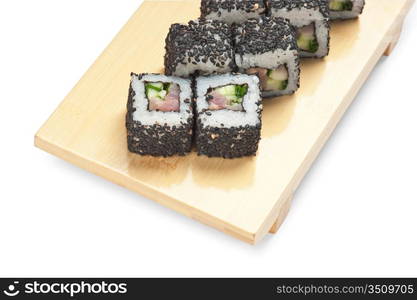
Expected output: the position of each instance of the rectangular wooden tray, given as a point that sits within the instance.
(248, 197)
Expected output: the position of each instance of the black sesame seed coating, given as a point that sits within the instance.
(159, 139)
(217, 6)
(197, 43)
(230, 142)
(322, 5)
(264, 35)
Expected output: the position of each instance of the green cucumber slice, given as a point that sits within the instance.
(157, 86)
(241, 91)
(278, 74)
(336, 5)
(162, 94)
(308, 44)
(234, 99)
(284, 85)
(303, 43)
(233, 93)
(274, 85)
(313, 46)
(151, 93)
(228, 90)
(157, 89)
(340, 5)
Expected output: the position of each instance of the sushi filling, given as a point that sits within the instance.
(307, 39)
(341, 5)
(163, 96)
(227, 97)
(272, 80)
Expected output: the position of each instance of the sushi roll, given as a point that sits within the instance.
(202, 47)
(159, 118)
(345, 9)
(311, 20)
(228, 113)
(232, 11)
(268, 47)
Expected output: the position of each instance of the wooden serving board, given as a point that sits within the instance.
(248, 197)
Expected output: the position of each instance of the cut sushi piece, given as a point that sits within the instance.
(202, 47)
(232, 11)
(224, 131)
(311, 20)
(159, 118)
(267, 47)
(345, 9)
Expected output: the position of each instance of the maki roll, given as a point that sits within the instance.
(202, 47)
(159, 118)
(268, 47)
(228, 112)
(232, 11)
(345, 9)
(311, 20)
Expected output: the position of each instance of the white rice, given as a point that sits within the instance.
(272, 60)
(140, 101)
(250, 116)
(185, 70)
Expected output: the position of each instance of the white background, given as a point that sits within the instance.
(355, 214)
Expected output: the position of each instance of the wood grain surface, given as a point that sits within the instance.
(246, 197)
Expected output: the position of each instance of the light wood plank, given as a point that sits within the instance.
(244, 197)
